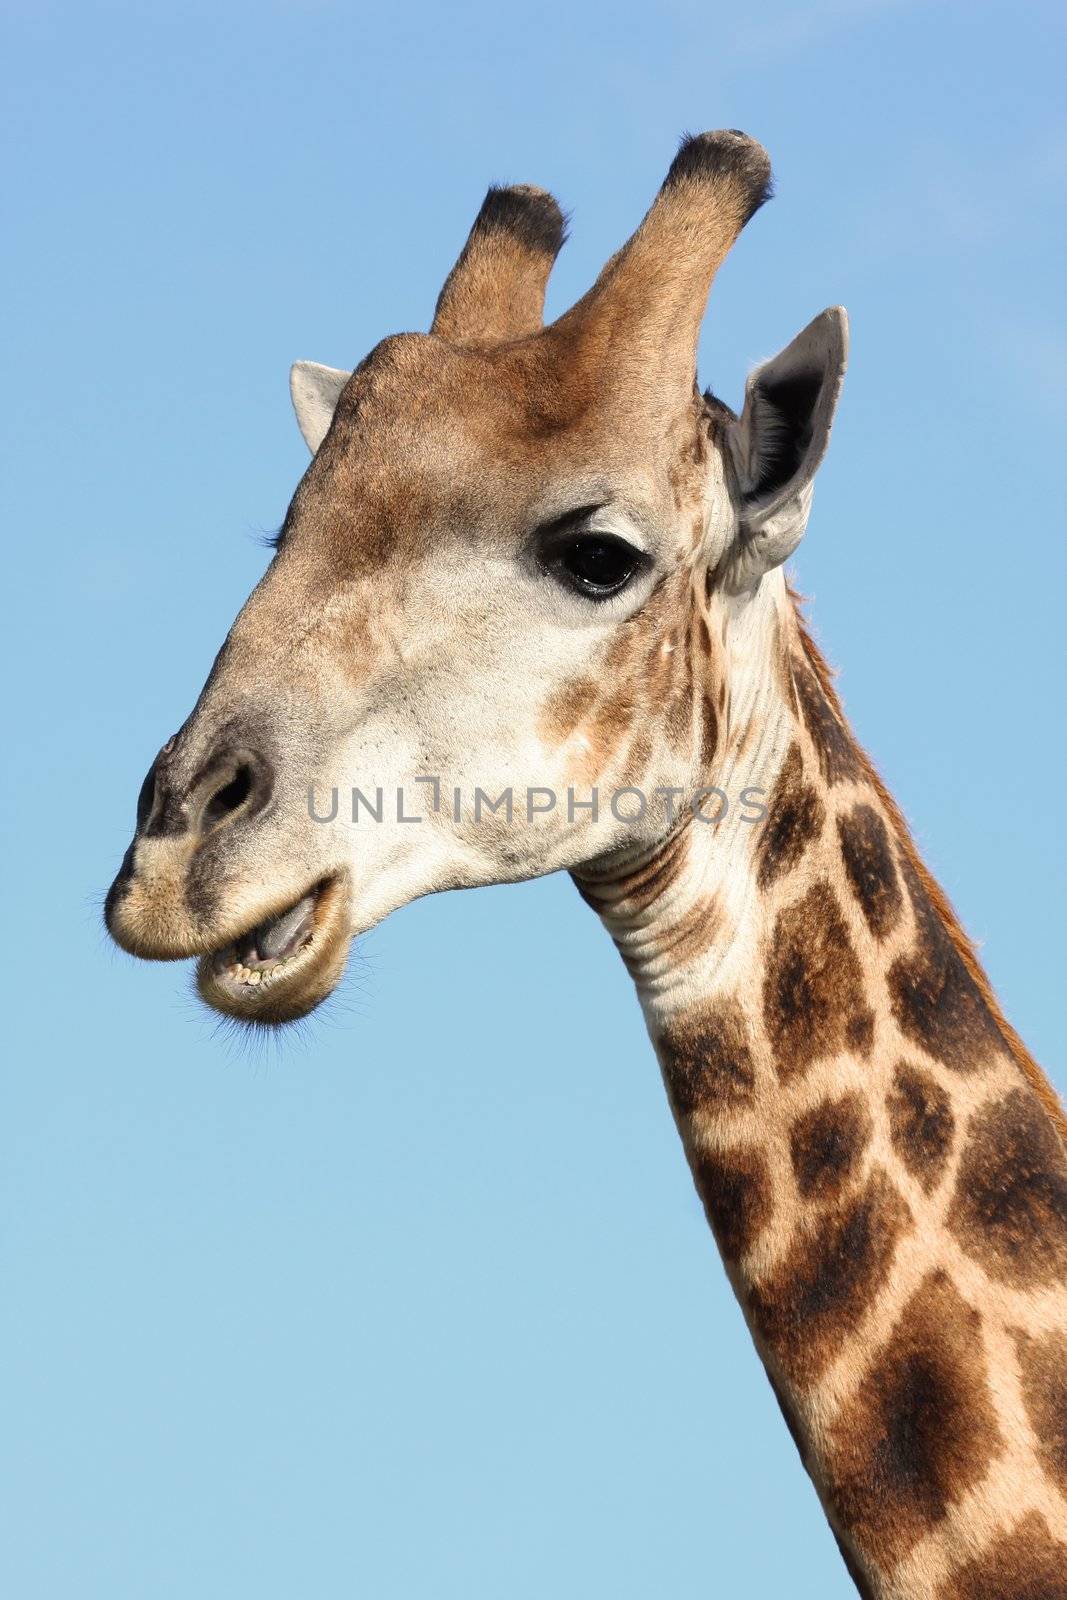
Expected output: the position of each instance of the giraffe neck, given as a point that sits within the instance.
(882, 1165)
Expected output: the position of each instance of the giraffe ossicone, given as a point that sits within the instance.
(529, 557)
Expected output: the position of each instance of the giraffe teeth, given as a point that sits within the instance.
(265, 969)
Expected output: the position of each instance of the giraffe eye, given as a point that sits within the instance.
(596, 565)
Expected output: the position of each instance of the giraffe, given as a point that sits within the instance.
(538, 560)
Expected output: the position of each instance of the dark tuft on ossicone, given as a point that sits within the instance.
(530, 215)
(726, 156)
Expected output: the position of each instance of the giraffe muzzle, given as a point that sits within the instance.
(211, 875)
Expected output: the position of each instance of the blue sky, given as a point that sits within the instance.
(424, 1304)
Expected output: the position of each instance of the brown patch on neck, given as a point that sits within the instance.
(934, 893)
(834, 746)
(1009, 1210)
(1026, 1564)
(792, 1422)
(826, 1145)
(707, 1059)
(795, 818)
(1043, 1369)
(921, 1431)
(863, 1587)
(936, 1002)
(835, 1268)
(867, 853)
(921, 1124)
(814, 1002)
(736, 1193)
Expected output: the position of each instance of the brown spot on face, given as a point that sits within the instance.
(703, 635)
(679, 724)
(621, 651)
(826, 1144)
(838, 758)
(813, 998)
(1009, 1211)
(921, 1429)
(794, 819)
(1043, 1369)
(935, 1000)
(611, 720)
(737, 1198)
(566, 708)
(689, 454)
(869, 867)
(707, 1060)
(1026, 1564)
(921, 1124)
(638, 757)
(827, 1282)
(709, 731)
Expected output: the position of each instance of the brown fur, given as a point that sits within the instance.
(838, 1262)
(1009, 1210)
(736, 1192)
(921, 1124)
(935, 1000)
(813, 997)
(1025, 1564)
(826, 1145)
(707, 1060)
(496, 290)
(922, 1429)
(795, 816)
(1043, 1370)
(868, 860)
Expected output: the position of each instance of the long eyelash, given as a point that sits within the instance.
(271, 540)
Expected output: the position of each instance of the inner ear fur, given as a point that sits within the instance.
(315, 391)
(779, 441)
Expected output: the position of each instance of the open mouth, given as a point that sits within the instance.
(283, 967)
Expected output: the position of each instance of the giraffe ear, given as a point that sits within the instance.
(779, 442)
(315, 391)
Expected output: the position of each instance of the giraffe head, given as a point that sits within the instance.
(504, 569)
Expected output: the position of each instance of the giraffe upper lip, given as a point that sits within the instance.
(275, 940)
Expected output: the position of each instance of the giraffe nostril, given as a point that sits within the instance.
(230, 798)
